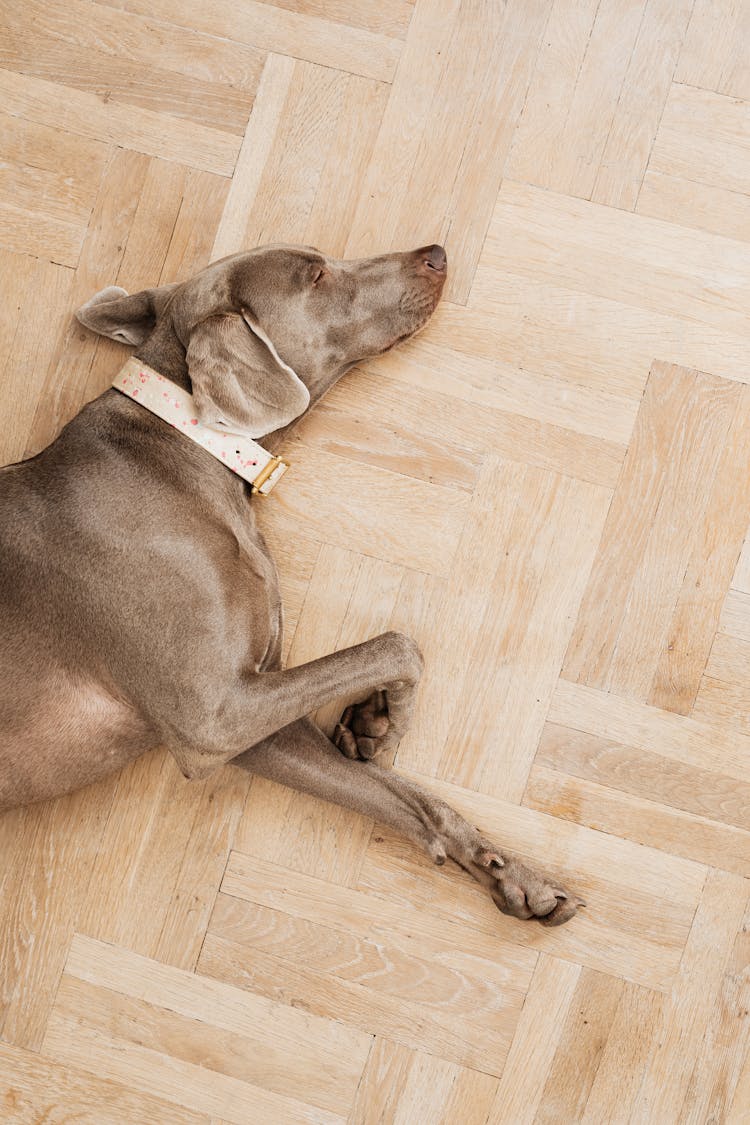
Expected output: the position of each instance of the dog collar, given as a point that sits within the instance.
(168, 401)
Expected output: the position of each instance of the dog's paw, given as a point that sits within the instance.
(522, 892)
(365, 730)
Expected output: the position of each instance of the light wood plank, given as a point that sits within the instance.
(723, 696)
(271, 27)
(596, 97)
(725, 700)
(735, 614)
(693, 204)
(390, 17)
(726, 1042)
(485, 359)
(738, 1110)
(295, 558)
(153, 221)
(47, 171)
(601, 343)
(713, 44)
(368, 962)
(28, 49)
(110, 30)
(539, 578)
(190, 899)
(317, 498)
(704, 136)
(603, 252)
(538, 138)
(29, 336)
(452, 616)
(64, 388)
(402, 417)
(261, 1056)
(670, 544)
(343, 130)
(639, 818)
(378, 421)
(291, 192)
(465, 627)
(273, 91)
(456, 97)
(741, 579)
(675, 737)
(591, 109)
(35, 1090)
(684, 1018)
(541, 1026)
(82, 112)
(626, 1052)
(702, 791)
(49, 854)
(574, 1066)
(400, 1086)
(640, 102)
(714, 554)
(202, 205)
(639, 909)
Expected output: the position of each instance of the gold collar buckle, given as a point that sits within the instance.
(266, 473)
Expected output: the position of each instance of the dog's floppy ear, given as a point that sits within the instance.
(128, 319)
(239, 379)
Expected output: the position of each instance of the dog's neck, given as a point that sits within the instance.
(236, 450)
(163, 352)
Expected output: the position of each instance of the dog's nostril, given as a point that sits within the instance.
(436, 259)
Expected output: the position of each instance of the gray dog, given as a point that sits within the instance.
(122, 522)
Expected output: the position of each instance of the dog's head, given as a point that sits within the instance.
(262, 331)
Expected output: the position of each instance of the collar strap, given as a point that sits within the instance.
(168, 401)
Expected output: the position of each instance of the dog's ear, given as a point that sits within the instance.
(238, 378)
(129, 319)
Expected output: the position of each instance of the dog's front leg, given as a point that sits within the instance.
(380, 676)
(301, 757)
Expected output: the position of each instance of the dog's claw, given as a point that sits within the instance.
(520, 891)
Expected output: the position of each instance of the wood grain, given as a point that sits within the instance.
(400, 1086)
(658, 609)
(260, 1055)
(474, 63)
(139, 128)
(519, 648)
(36, 1089)
(521, 1089)
(694, 204)
(703, 136)
(684, 1017)
(597, 96)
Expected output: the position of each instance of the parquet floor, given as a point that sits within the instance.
(549, 488)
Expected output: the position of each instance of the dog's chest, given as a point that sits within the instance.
(260, 618)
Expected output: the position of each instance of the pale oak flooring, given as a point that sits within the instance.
(550, 489)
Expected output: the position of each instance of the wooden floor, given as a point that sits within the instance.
(549, 489)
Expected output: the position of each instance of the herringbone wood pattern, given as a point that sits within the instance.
(549, 488)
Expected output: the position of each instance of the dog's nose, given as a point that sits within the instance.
(436, 259)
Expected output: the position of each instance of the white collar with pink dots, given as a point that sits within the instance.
(168, 401)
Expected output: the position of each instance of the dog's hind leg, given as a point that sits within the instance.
(301, 757)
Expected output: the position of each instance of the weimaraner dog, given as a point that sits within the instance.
(138, 601)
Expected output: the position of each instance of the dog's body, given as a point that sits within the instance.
(139, 603)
